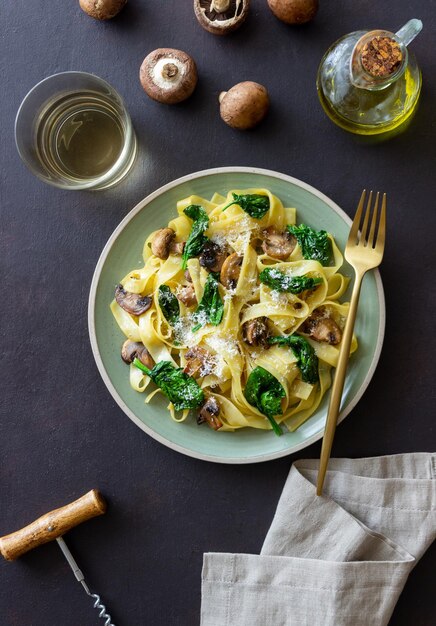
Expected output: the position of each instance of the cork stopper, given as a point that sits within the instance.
(381, 56)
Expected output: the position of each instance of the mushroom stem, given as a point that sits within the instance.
(221, 96)
(220, 6)
(170, 71)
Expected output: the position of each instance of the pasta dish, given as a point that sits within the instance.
(236, 314)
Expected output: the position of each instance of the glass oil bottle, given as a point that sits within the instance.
(369, 82)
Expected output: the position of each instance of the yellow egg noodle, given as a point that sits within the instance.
(232, 356)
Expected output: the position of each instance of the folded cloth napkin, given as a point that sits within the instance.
(341, 559)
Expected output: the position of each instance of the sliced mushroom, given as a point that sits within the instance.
(199, 362)
(256, 332)
(213, 256)
(162, 242)
(231, 270)
(132, 350)
(278, 244)
(177, 247)
(187, 295)
(168, 75)
(188, 276)
(133, 303)
(209, 413)
(221, 16)
(322, 327)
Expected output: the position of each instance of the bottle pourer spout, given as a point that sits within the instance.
(408, 32)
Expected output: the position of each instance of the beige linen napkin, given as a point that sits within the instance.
(337, 560)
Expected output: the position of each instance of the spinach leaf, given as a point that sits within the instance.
(307, 361)
(196, 239)
(264, 391)
(314, 244)
(252, 203)
(277, 280)
(211, 307)
(169, 304)
(182, 390)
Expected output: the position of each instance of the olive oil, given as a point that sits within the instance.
(369, 82)
(81, 138)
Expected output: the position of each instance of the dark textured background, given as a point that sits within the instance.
(61, 433)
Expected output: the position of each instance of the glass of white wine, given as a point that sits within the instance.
(73, 131)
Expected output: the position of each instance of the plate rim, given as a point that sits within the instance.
(93, 335)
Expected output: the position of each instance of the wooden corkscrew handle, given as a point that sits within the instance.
(52, 525)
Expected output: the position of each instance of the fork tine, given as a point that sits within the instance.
(380, 242)
(373, 222)
(366, 220)
(352, 237)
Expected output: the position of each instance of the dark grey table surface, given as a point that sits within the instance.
(61, 433)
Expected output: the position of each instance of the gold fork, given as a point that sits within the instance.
(363, 251)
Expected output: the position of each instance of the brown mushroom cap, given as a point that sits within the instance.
(162, 241)
(133, 303)
(322, 327)
(168, 75)
(132, 350)
(209, 413)
(199, 361)
(244, 105)
(221, 16)
(256, 332)
(278, 244)
(212, 256)
(231, 270)
(102, 9)
(294, 11)
(187, 295)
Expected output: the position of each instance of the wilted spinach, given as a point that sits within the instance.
(279, 281)
(307, 361)
(182, 390)
(254, 204)
(265, 392)
(196, 239)
(169, 304)
(314, 244)
(211, 307)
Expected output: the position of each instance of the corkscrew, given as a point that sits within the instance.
(53, 525)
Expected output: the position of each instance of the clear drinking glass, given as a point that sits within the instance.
(72, 130)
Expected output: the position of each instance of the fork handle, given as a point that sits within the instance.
(338, 384)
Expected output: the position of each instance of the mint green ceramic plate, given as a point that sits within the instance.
(123, 252)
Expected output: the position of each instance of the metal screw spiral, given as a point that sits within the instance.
(101, 607)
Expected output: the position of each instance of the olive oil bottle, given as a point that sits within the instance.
(369, 82)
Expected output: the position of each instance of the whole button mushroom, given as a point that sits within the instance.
(168, 75)
(102, 9)
(244, 105)
(294, 11)
(221, 16)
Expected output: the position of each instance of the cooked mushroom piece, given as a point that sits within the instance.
(231, 270)
(221, 16)
(199, 362)
(256, 332)
(162, 242)
(187, 275)
(132, 350)
(278, 244)
(168, 75)
(133, 303)
(177, 247)
(209, 413)
(322, 328)
(213, 256)
(187, 295)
